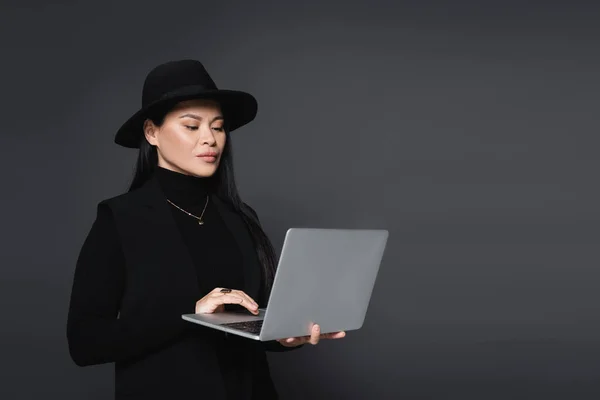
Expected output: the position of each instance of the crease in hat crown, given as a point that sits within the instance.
(180, 80)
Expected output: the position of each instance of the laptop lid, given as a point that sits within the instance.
(325, 276)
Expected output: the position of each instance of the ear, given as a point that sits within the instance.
(150, 131)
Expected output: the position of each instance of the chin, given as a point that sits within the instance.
(203, 172)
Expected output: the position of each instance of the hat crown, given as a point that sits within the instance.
(174, 75)
(174, 81)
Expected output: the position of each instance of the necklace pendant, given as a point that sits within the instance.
(200, 222)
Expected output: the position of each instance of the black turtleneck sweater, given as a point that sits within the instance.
(213, 250)
(212, 246)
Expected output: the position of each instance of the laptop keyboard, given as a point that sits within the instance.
(253, 327)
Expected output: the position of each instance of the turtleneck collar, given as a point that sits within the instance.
(183, 189)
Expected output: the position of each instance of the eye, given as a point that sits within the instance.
(191, 128)
(219, 129)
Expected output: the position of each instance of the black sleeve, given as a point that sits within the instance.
(272, 345)
(95, 333)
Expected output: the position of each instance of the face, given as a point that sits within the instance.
(191, 139)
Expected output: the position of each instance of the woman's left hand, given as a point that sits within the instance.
(313, 339)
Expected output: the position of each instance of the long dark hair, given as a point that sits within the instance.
(226, 190)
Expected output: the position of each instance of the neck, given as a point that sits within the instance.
(182, 189)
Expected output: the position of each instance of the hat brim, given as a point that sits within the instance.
(239, 108)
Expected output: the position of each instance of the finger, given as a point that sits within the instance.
(333, 335)
(232, 298)
(248, 298)
(225, 298)
(207, 305)
(220, 290)
(249, 303)
(315, 335)
(293, 342)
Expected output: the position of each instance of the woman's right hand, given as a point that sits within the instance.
(215, 301)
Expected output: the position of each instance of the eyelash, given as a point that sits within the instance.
(193, 128)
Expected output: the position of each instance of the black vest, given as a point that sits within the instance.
(161, 284)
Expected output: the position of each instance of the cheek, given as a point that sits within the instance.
(177, 140)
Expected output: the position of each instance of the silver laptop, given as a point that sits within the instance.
(324, 276)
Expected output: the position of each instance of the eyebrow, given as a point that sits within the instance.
(199, 118)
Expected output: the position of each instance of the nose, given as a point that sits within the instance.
(206, 136)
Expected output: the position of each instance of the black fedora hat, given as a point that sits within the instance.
(175, 81)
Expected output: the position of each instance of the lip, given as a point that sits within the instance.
(208, 157)
(208, 154)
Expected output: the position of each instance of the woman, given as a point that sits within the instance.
(179, 240)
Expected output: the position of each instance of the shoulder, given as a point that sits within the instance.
(111, 211)
(122, 200)
(106, 207)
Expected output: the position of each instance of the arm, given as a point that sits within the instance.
(95, 333)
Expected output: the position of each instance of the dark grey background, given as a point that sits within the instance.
(467, 130)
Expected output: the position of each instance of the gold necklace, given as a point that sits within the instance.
(200, 222)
